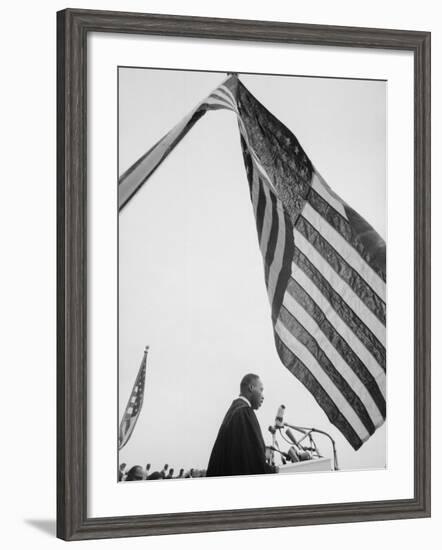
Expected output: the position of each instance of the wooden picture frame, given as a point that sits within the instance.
(73, 27)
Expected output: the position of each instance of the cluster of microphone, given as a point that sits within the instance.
(296, 453)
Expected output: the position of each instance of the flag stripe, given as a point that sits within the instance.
(286, 267)
(339, 243)
(280, 269)
(349, 317)
(272, 243)
(221, 92)
(226, 99)
(216, 100)
(373, 379)
(342, 268)
(336, 361)
(260, 208)
(373, 367)
(319, 185)
(344, 229)
(313, 356)
(225, 90)
(292, 361)
(340, 287)
(248, 164)
(215, 105)
(267, 222)
(127, 432)
(255, 192)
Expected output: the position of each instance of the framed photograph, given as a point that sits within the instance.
(243, 274)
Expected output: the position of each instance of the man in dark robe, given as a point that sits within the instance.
(239, 448)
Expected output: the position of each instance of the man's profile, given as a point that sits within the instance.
(239, 448)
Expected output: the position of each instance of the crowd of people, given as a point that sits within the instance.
(138, 473)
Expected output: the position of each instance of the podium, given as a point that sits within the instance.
(313, 465)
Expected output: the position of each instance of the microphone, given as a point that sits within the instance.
(293, 455)
(279, 417)
(297, 451)
(304, 455)
(290, 435)
(282, 453)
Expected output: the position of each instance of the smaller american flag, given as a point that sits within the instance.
(133, 407)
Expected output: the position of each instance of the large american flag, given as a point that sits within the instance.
(133, 407)
(324, 265)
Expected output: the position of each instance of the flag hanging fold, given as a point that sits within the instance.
(133, 407)
(324, 265)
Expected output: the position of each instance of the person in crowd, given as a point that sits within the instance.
(122, 471)
(155, 475)
(170, 474)
(164, 470)
(181, 474)
(136, 473)
(239, 447)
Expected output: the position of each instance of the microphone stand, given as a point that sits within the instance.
(274, 447)
(307, 433)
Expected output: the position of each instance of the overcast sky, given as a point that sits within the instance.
(191, 281)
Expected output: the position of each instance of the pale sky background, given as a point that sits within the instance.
(191, 282)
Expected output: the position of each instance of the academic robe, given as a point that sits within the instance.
(239, 448)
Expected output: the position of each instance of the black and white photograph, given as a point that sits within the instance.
(218, 270)
(251, 274)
